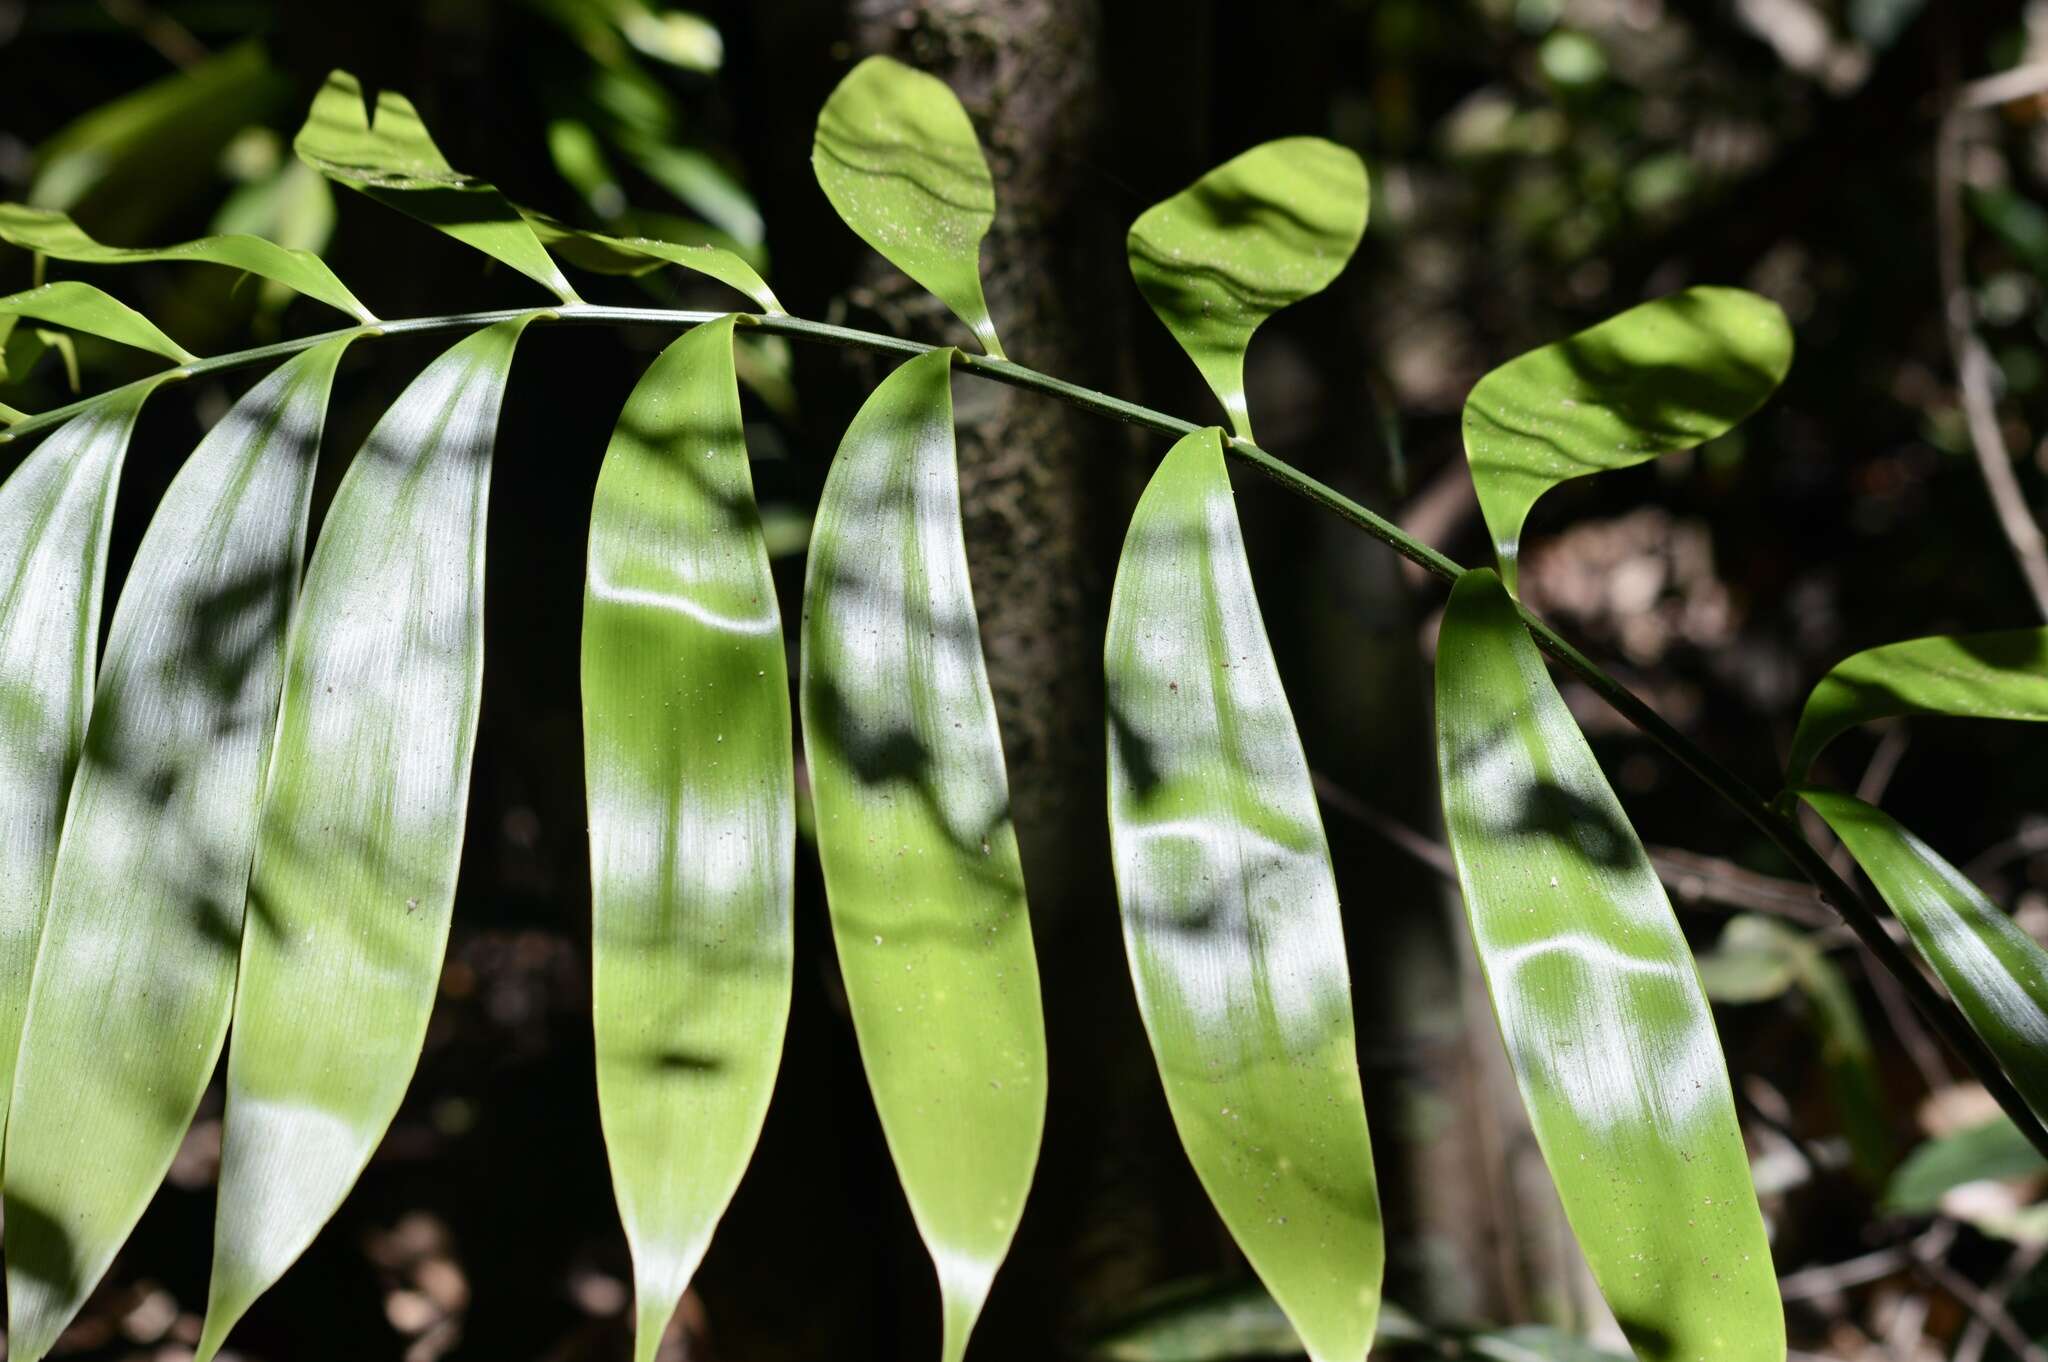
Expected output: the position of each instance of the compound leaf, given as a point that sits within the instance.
(356, 851)
(135, 979)
(81, 307)
(1230, 909)
(692, 812)
(391, 157)
(1606, 1026)
(1260, 232)
(53, 234)
(1997, 974)
(895, 154)
(1659, 378)
(913, 820)
(1999, 675)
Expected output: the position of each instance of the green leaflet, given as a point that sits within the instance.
(1230, 909)
(391, 157)
(55, 509)
(1755, 961)
(1996, 973)
(913, 816)
(361, 830)
(1260, 232)
(692, 812)
(2000, 675)
(1996, 1150)
(82, 307)
(895, 154)
(53, 234)
(136, 974)
(1598, 1001)
(695, 178)
(1659, 378)
(603, 254)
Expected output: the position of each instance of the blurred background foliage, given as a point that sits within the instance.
(1536, 165)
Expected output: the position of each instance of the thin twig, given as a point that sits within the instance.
(2022, 82)
(1877, 778)
(1696, 880)
(1898, 1012)
(1884, 763)
(1972, 360)
(1978, 1333)
(1427, 851)
(2030, 840)
(1828, 1279)
(1981, 1305)
(1906, 1024)
(1767, 1109)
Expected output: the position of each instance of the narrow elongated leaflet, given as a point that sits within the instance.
(1998, 675)
(135, 978)
(1230, 909)
(1659, 378)
(1260, 232)
(895, 154)
(1997, 974)
(361, 831)
(390, 156)
(601, 254)
(692, 812)
(55, 509)
(82, 307)
(1598, 1002)
(913, 812)
(53, 234)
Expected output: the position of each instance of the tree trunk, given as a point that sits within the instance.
(1045, 491)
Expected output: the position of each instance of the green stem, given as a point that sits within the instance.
(1775, 825)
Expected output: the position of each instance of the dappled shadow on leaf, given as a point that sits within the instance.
(877, 754)
(1135, 752)
(1598, 400)
(41, 1249)
(1538, 805)
(896, 691)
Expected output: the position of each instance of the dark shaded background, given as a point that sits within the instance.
(1537, 165)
